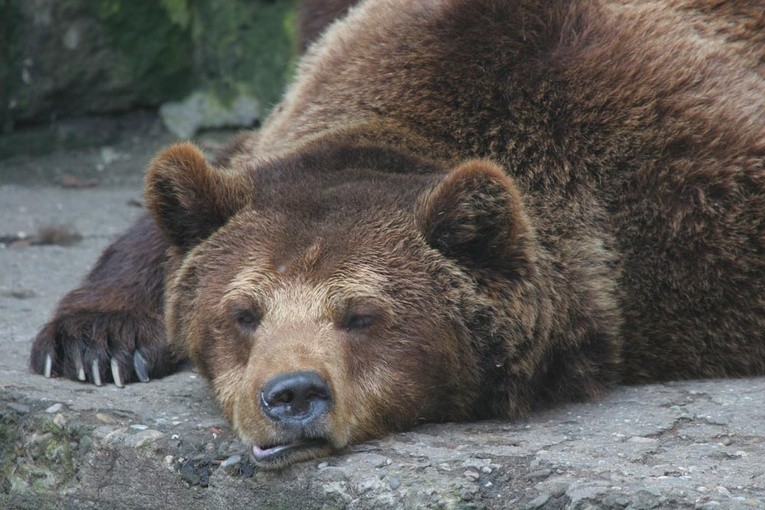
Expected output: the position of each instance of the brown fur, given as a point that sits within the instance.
(464, 209)
(315, 16)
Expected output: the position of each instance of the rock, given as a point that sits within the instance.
(83, 56)
(203, 110)
(54, 408)
(107, 418)
(538, 502)
(63, 60)
(59, 420)
(19, 408)
(231, 461)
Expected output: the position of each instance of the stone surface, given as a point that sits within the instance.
(204, 110)
(61, 60)
(63, 444)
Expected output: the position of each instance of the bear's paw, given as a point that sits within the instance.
(101, 347)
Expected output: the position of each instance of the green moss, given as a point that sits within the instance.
(36, 455)
(178, 10)
(9, 437)
(231, 47)
(155, 47)
(244, 46)
(136, 54)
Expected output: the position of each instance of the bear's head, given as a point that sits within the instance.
(329, 302)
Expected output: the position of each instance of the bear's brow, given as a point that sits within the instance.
(313, 252)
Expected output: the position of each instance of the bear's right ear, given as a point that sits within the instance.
(475, 216)
(188, 198)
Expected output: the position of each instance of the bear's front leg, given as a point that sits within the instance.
(111, 328)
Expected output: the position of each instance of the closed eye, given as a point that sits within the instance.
(358, 322)
(247, 320)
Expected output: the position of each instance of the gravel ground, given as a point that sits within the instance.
(697, 444)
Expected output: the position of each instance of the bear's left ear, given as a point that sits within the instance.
(475, 216)
(188, 198)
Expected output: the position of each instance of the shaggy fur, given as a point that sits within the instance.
(461, 209)
(315, 16)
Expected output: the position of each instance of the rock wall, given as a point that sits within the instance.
(67, 58)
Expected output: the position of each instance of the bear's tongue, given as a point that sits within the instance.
(262, 454)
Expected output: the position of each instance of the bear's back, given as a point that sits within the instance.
(634, 128)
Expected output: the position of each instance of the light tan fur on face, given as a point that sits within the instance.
(298, 332)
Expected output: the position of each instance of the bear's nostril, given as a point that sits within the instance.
(296, 397)
(285, 397)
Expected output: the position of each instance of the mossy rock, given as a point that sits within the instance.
(66, 58)
(241, 47)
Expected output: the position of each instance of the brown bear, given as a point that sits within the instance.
(461, 209)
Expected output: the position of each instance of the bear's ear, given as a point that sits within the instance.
(188, 198)
(475, 216)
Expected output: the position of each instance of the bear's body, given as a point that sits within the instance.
(461, 209)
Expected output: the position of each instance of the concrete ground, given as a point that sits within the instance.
(696, 444)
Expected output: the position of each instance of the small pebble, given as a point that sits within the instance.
(538, 502)
(471, 475)
(145, 437)
(394, 482)
(486, 469)
(106, 418)
(19, 408)
(59, 420)
(138, 426)
(54, 408)
(231, 461)
(641, 439)
(322, 465)
(557, 489)
(722, 491)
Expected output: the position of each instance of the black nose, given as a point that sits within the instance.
(297, 397)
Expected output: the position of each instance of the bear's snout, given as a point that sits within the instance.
(295, 398)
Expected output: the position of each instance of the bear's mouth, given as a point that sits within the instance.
(281, 455)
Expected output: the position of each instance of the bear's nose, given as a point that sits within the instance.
(296, 397)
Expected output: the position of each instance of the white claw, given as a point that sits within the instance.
(96, 373)
(80, 368)
(48, 365)
(116, 374)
